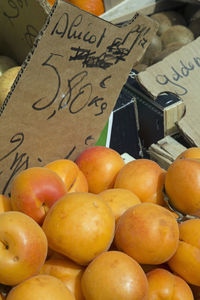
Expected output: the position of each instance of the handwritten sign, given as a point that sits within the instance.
(68, 88)
(20, 23)
(179, 73)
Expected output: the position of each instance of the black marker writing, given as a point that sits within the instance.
(15, 6)
(178, 74)
(75, 93)
(72, 30)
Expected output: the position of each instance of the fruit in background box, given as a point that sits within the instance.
(166, 19)
(35, 190)
(80, 226)
(23, 247)
(100, 165)
(194, 26)
(113, 275)
(193, 152)
(186, 260)
(95, 7)
(67, 271)
(148, 233)
(68, 170)
(182, 185)
(40, 287)
(6, 81)
(143, 177)
(167, 51)
(189, 10)
(153, 50)
(6, 63)
(5, 204)
(177, 34)
(119, 200)
(165, 285)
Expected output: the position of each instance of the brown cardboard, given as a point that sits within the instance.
(165, 151)
(179, 73)
(108, 4)
(67, 89)
(20, 23)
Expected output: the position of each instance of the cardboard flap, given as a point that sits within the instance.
(20, 23)
(179, 73)
(66, 91)
(108, 4)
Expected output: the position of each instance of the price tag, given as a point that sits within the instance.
(20, 23)
(66, 90)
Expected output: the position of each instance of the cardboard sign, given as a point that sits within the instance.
(179, 73)
(20, 23)
(66, 91)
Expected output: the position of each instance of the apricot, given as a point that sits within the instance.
(23, 247)
(165, 285)
(80, 226)
(119, 200)
(148, 233)
(100, 166)
(143, 177)
(114, 275)
(67, 271)
(5, 204)
(182, 185)
(193, 152)
(186, 260)
(40, 287)
(68, 170)
(35, 190)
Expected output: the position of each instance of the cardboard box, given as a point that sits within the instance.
(178, 74)
(166, 150)
(121, 130)
(156, 118)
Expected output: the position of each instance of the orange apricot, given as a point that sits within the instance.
(119, 200)
(69, 172)
(165, 285)
(182, 185)
(113, 275)
(186, 260)
(143, 177)
(100, 166)
(148, 233)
